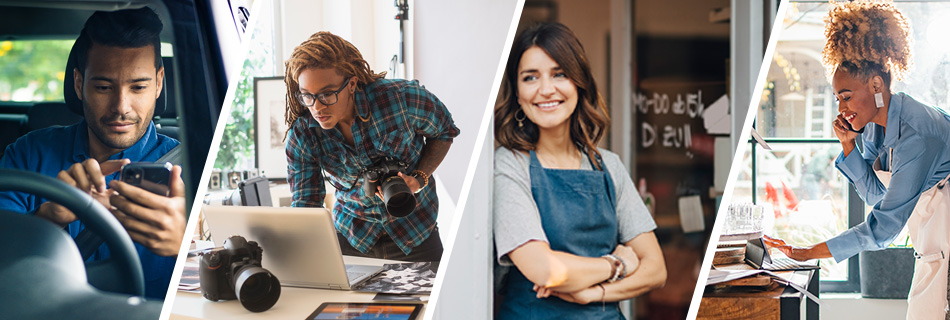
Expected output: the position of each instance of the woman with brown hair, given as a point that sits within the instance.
(903, 164)
(566, 213)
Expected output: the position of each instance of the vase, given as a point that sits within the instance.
(887, 274)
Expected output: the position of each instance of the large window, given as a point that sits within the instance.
(807, 200)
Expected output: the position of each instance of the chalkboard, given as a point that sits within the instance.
(674, 152)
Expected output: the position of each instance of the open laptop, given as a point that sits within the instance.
(300, 244)
(757, 255)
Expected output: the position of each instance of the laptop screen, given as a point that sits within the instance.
(756, 253)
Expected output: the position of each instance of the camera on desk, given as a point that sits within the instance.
(214, 183)
(234, 271)
(384, 173)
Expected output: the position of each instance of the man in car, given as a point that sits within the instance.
(118, 77)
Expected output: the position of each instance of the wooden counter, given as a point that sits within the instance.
(774, 301)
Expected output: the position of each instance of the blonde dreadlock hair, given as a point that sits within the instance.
(323, 50)
(867, 38)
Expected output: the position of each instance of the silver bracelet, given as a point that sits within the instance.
(616, 264)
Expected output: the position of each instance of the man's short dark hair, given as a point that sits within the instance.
(132, 28)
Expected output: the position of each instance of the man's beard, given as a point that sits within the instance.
(114, 141)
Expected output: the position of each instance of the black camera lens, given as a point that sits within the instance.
(398, 198)
(256, 288)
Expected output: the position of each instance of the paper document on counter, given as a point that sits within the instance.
(721, 276)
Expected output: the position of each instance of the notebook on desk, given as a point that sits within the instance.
(757, 255)
(300, 244)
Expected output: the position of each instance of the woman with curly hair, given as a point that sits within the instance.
(345, 120)
(566, 213)
(903, 165)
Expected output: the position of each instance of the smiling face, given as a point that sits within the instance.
(546, 95)
(316, 81)
(856, 98)
(118, 92)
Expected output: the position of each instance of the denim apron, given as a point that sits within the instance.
(579, 216)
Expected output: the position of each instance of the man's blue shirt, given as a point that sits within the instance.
(51, 150)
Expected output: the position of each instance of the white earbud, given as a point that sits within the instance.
(879, 99)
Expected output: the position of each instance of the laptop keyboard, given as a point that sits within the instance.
(354, 275)
(785, 264)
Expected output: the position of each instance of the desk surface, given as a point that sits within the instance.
(294, 303)
(775, 301)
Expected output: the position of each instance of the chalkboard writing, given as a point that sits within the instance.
(660, 103)
(668, 119)
(678, 137)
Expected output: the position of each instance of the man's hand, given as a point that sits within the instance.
(89, 177)
(411, 182)
(155, 221)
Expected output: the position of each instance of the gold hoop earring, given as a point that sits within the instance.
(520, 119)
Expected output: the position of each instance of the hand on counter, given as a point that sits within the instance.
(818, 251)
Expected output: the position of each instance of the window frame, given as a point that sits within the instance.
(855, 209)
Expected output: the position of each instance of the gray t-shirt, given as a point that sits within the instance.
(516, 216)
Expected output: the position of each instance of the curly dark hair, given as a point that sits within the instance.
(867, 38)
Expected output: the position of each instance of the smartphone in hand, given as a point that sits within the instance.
(848, 124)
(153, 177)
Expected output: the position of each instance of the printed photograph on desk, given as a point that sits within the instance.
(104, 138)
(613, 135)
(840, 195)
(346, 146)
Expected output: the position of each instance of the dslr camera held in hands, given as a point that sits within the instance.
(384, 173)
(234, 271)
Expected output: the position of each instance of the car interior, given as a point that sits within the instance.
(43, 276)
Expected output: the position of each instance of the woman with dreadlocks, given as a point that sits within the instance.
(346, 120)
(903, 165)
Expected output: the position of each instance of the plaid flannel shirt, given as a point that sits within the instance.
(400, 115)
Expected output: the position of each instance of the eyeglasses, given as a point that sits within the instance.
(326, 98)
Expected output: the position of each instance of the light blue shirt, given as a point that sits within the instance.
(920, 138)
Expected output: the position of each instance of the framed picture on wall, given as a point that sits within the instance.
(269, 105)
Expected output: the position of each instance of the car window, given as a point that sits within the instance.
(33, 70)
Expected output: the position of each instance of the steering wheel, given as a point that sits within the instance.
(40, 266)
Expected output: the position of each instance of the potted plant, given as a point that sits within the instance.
(887, 274)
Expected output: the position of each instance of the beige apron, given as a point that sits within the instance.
(929, 229)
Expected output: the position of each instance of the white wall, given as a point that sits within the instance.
(368, 24)
(456, 53)
(852, 306)
(466, 290)
(457, 48)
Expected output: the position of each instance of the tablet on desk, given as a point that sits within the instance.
(359, 311)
